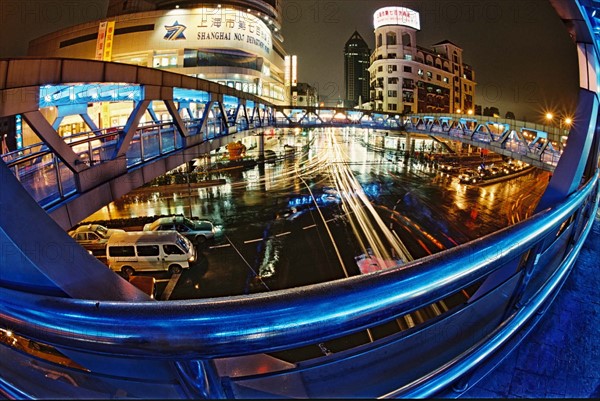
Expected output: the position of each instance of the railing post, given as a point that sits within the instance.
(160, 144)
(200, 379)
(58, 178)
(142, 145)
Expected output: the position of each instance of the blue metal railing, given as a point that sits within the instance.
(210, 329)
(59, 347)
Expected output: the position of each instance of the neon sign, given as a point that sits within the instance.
(396, 16)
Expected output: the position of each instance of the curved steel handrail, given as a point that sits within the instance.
(437, 380)
(184, 330)
(288, 318)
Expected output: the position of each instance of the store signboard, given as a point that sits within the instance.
(100, 40)
(212, 28)
(108, 42)
(396, 16)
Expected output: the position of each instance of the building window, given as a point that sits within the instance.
(380, 68)
(392, 68)
(392, 55)
(439, 77)
(420, 72)
(406, 40)
(407, 69)
(446, 80)
(392, 93)
(390, 38)
(408, 57)
(393, 81)
(379, 40)
(392, 106)
(429, 74)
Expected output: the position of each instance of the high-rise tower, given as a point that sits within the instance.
(356, 70)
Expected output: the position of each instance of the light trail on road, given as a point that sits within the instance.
(366, 223)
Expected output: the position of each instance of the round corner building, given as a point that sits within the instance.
(235, 43)
(407, 78)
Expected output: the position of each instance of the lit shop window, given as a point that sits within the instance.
(163, 61)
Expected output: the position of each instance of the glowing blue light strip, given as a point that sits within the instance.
(190, 95)
(60, 95)
(231, 101)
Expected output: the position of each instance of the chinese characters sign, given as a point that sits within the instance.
(104, 43)
(215, 28)
(396, 16)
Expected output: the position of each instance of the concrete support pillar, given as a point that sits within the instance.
(408, 147)
(261, 145)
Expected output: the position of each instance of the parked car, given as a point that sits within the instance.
(469, 177)
(93, 237)
(197, 231)
(135, 251)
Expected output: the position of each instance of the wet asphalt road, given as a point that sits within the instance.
(286, 223)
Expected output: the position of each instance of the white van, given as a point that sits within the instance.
(133, 251)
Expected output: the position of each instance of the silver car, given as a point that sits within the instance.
(197, 231)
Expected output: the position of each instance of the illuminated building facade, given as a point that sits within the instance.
(407, 78)
(235, 43)
(291, 78)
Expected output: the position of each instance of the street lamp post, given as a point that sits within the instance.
(549, 118)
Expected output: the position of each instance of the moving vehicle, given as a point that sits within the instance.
(197, 231)
(133, 251)
(469, 177)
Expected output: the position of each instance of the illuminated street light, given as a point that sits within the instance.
(458, 111)
(549, 118)
(470, 112)
(565, 125)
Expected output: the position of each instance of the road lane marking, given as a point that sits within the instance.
(220, 246)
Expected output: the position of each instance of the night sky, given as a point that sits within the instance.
(523, 58)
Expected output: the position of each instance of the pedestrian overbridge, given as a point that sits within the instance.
(535, 144)
(166, 119)
(103, 338)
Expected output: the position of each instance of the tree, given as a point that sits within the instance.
(510, 115)
(491, 111)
